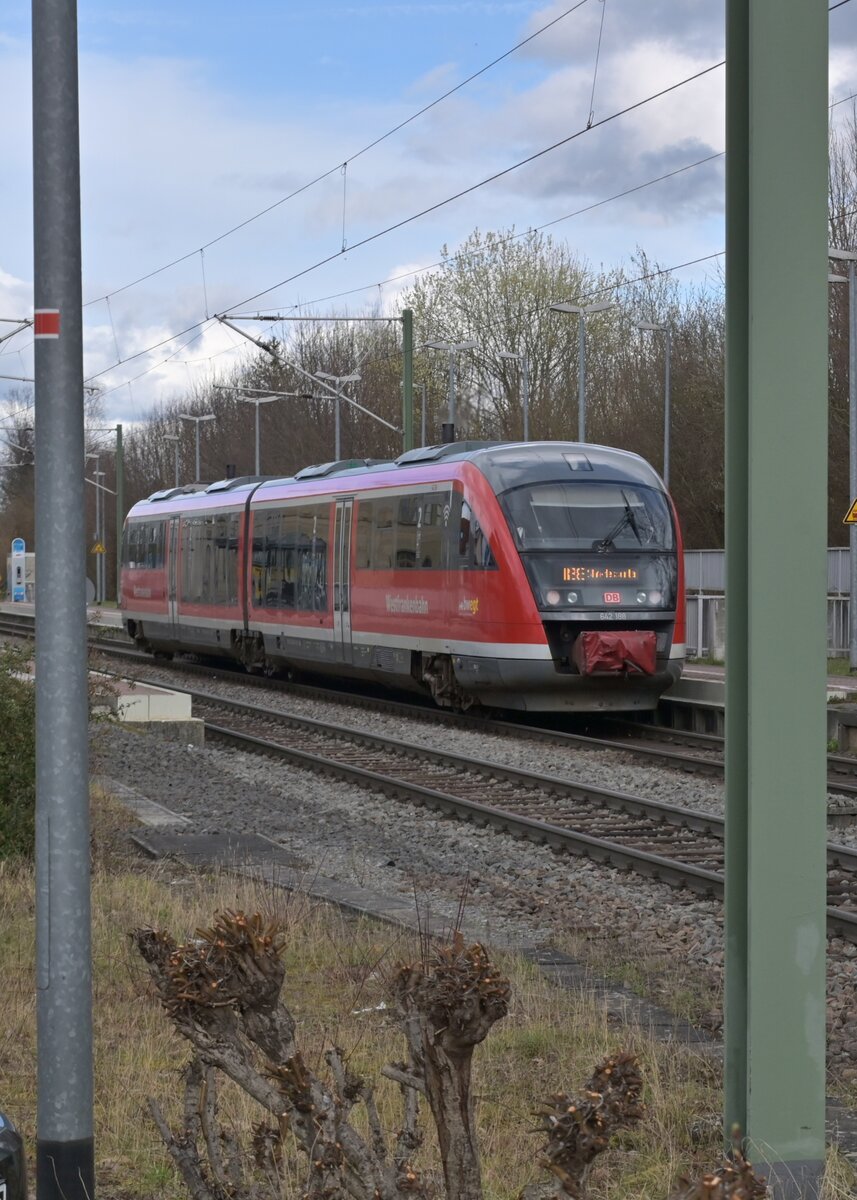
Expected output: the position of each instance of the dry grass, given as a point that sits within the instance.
(335, 968)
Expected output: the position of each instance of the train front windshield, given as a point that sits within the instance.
(595, 545)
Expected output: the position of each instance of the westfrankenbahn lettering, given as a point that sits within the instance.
(406, 604)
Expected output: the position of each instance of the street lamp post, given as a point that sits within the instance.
(645, 326)
(100, 535)
(850, 257)
(96, 473)
(582, 312)
(197, 421)
(525, 388)
(175, 438)
(452, 348)
(257, 400)
(337, 382)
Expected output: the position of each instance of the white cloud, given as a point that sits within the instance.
(171, 158)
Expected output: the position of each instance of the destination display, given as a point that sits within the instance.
(606, 581)
(581, 574)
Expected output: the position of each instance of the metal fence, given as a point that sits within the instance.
(705, 578)
(705, 571)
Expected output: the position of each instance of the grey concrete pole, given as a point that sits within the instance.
(852, 457)
(667, 355)
(196, 425)
(337, 432)
(64, 1140)
(97, 527)
(581, 379)
(177, 464)
(423, 414)
(525, 395)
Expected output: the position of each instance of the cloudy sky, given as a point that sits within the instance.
(197, 116)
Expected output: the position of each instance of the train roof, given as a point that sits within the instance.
(506, 465)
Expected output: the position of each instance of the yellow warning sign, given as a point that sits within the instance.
(99, 549)
(850, 517)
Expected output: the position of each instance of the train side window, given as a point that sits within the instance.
(406, 531)
(383, 534)
(483, 558)
(470, 548)
(154, 536)
(310, 558)
(430, 530)
(193, 560)
(132, 545)
(363, 552)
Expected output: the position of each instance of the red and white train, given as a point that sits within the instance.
(541, 575)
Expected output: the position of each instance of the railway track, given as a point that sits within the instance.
(651, 744)
(663, 841)
(666, 842)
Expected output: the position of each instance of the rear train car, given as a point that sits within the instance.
(545, 576)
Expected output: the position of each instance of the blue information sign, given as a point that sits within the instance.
(19, 587)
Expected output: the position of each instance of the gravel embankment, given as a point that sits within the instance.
(522, 893)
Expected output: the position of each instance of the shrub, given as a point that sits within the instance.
(17, 754)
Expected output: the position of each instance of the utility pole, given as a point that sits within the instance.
(407, 379)
(64, 1140)
(776, 429)
(849, 256)
(451, 348)
(120, 506)
(582, 312)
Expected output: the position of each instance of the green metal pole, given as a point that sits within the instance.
(120, 504)
(408, 378)
(776, 581)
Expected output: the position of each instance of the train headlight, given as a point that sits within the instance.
(642, 597)
(656, 597)
(552, 597)
(572, 597)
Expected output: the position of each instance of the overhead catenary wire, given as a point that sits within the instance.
(372, 144)
(597, 57)
(489, 179)
(355, 155)
(441, 204)
(512, 237)
(434, 207)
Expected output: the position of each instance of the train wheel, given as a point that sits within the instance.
(444, 687)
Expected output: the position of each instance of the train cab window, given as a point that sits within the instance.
(603, 517)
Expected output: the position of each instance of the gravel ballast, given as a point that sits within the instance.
(521, 893)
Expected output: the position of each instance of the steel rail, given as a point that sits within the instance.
(660, 755)
(840, 922)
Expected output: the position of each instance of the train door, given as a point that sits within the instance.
(342, 580)
(173, 575)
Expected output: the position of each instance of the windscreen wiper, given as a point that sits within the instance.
(627, 518)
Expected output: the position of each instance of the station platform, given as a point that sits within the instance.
(98, 616)
(838, 686)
